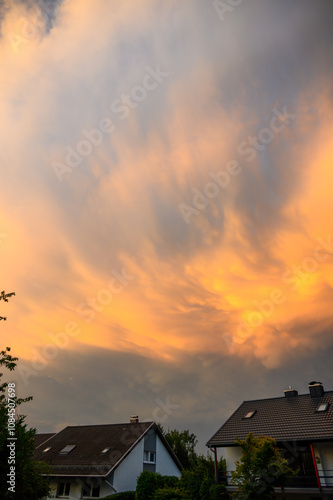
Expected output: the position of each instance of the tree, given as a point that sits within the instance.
(4, 296)
(198, 473)
(20, 477)
(260, 469)
(183, 445)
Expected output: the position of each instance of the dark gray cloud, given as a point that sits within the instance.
(93, 386)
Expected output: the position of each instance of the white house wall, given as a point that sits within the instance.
(164, 463)
(76, 489)
(126, 474)
(231, 454)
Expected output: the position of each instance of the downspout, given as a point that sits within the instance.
(216, 466)
(315, 466)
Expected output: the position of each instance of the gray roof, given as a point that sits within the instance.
(86, 459)
(40, 438)
(284, 419)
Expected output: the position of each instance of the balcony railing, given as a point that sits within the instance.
(308, 479)
(305, 479)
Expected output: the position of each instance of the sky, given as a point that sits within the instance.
(165, 206)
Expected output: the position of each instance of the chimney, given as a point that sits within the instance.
(134, 419)
(316, 389)
(290, 393)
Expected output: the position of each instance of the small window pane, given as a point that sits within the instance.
(90, 490)
(63, 490)
(149, 457)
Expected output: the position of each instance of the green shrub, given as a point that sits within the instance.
(191, 481)
(148, 483)
(218, 491)
(205, 488)
(124, 495)
(170, 481)
(170, 494)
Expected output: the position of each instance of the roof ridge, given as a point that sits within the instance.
(103, 425)
(284, 397)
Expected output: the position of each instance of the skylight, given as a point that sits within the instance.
(105, 450)
(47, 449)
(68, 448)
(322, 407)
(250, 414)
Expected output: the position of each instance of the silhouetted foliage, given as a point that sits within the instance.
(183, 445)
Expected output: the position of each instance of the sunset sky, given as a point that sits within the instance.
(166, 206)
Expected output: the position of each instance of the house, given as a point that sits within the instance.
(93, 461)
(302, 425)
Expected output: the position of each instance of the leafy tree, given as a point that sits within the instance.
(260, 469)
(4, 296)
(16, 464)
(198, 480)
(183, 445)
(198, 472)
(191, 481)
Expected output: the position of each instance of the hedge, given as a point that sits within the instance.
(124, 495)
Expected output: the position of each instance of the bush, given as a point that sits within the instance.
(148, 483)
(205, 488)
(191, 481)
(218, 491)
(170, 481)
(124, 495)
(170, 494)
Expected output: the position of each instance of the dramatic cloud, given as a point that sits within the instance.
(165, 203)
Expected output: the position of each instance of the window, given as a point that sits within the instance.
(322, 407)
(63, 490)
(90, 489)
(149, 457)
(250, 414)
(68, 448)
